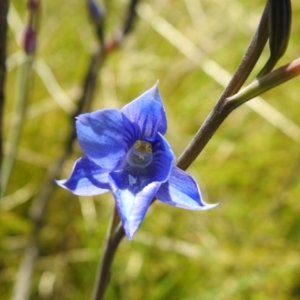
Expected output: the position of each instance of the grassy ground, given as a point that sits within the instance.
(248, 247)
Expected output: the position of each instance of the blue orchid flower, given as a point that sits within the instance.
(126, 153)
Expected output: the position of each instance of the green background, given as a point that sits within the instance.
(248, 247)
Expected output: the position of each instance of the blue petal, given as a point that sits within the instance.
(181, 190)
(133, 194)
(87, 179)
(105, 136)
(148, 113)
(163, 159)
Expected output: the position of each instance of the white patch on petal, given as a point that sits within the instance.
(83, 119)
(132, 180)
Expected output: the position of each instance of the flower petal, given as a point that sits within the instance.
(87, 179)
(105, 136)
(148, 113)
(181, 190)
(133, 194)
(163, 159)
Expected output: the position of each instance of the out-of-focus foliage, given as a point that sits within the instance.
(247, 248)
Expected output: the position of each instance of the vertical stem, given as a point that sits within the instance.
(21, 99)
(111, 244)
(3, 30)
(103, 275)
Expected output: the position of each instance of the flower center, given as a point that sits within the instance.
(140, 154)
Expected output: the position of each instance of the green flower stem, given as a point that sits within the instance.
(21, 100)
(265, 83)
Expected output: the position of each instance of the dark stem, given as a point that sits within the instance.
(108, 252)
(222, 107)
(3, 38)
(250, 58)
(130, 16)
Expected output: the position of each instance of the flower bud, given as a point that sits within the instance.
(97, 12)
(280, 19)
(29, 40)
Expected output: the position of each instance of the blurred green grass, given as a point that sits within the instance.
(247, 248)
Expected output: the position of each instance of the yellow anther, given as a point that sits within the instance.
(143, 146)
(148, 147)
(137, 144)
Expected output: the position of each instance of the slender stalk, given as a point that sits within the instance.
(111, 244)
(21, 100)
(267, 82)
(3, 38)
(223, 108)
(250, 58)
(21, 290)
(130, 17)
